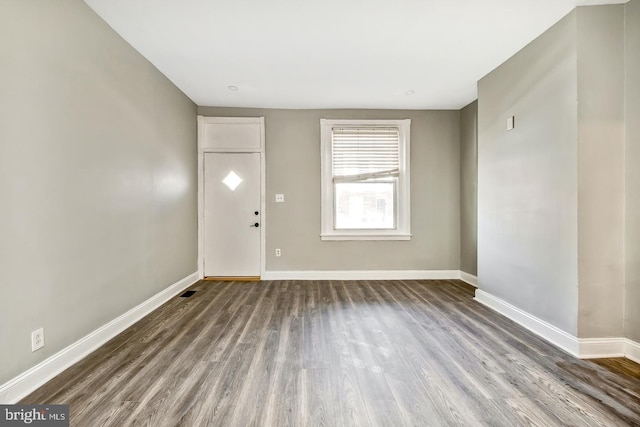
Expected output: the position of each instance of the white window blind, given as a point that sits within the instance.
(364, 153)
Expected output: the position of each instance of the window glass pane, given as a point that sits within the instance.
(365, 205)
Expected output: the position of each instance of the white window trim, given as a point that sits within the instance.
(403, 213)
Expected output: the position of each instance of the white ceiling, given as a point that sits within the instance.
(330, 53)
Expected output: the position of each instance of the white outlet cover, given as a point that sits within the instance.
(279, 198)
(37, 339)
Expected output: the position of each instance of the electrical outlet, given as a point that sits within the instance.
(37, 339)
(278, 252)
(279, 198)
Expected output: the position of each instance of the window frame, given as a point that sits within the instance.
(403, 185)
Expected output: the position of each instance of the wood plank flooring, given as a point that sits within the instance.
(338, 353)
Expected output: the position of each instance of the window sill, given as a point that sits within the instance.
(368, 236)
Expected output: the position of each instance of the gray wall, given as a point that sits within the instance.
(632, 158)
(527, 178)
(97, 178)
(469, 188)
(600, 170)
(293, 168)
(551, 192)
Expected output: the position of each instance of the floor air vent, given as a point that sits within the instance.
(187, 294)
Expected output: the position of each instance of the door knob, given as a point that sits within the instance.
(257, 213)
(255, 225)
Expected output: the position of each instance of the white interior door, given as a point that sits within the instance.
(232, 217)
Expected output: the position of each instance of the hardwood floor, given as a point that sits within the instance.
(334, 353)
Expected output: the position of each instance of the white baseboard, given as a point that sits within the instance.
(583, 348)
(469, 278)
(362, 275)
(554, 335)
(632, 350)
(25, 383)
(598, 348)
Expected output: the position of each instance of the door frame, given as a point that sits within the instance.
(202, 122)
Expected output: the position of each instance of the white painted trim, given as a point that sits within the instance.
(17, 388)
(200, 198)
(202, 120)
(362, 275)
(263, 201)
(632, 350)
(554, 335)
(584, 348)
(597, 348)
(600, 2)
(403, 187)
(370, 236)
(205, 120)
(469, 278)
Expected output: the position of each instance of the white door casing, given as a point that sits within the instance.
(232, 136)
(232, 216)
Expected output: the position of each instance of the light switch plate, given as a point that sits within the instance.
(510, 122)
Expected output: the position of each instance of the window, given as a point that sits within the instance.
(365, 180)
